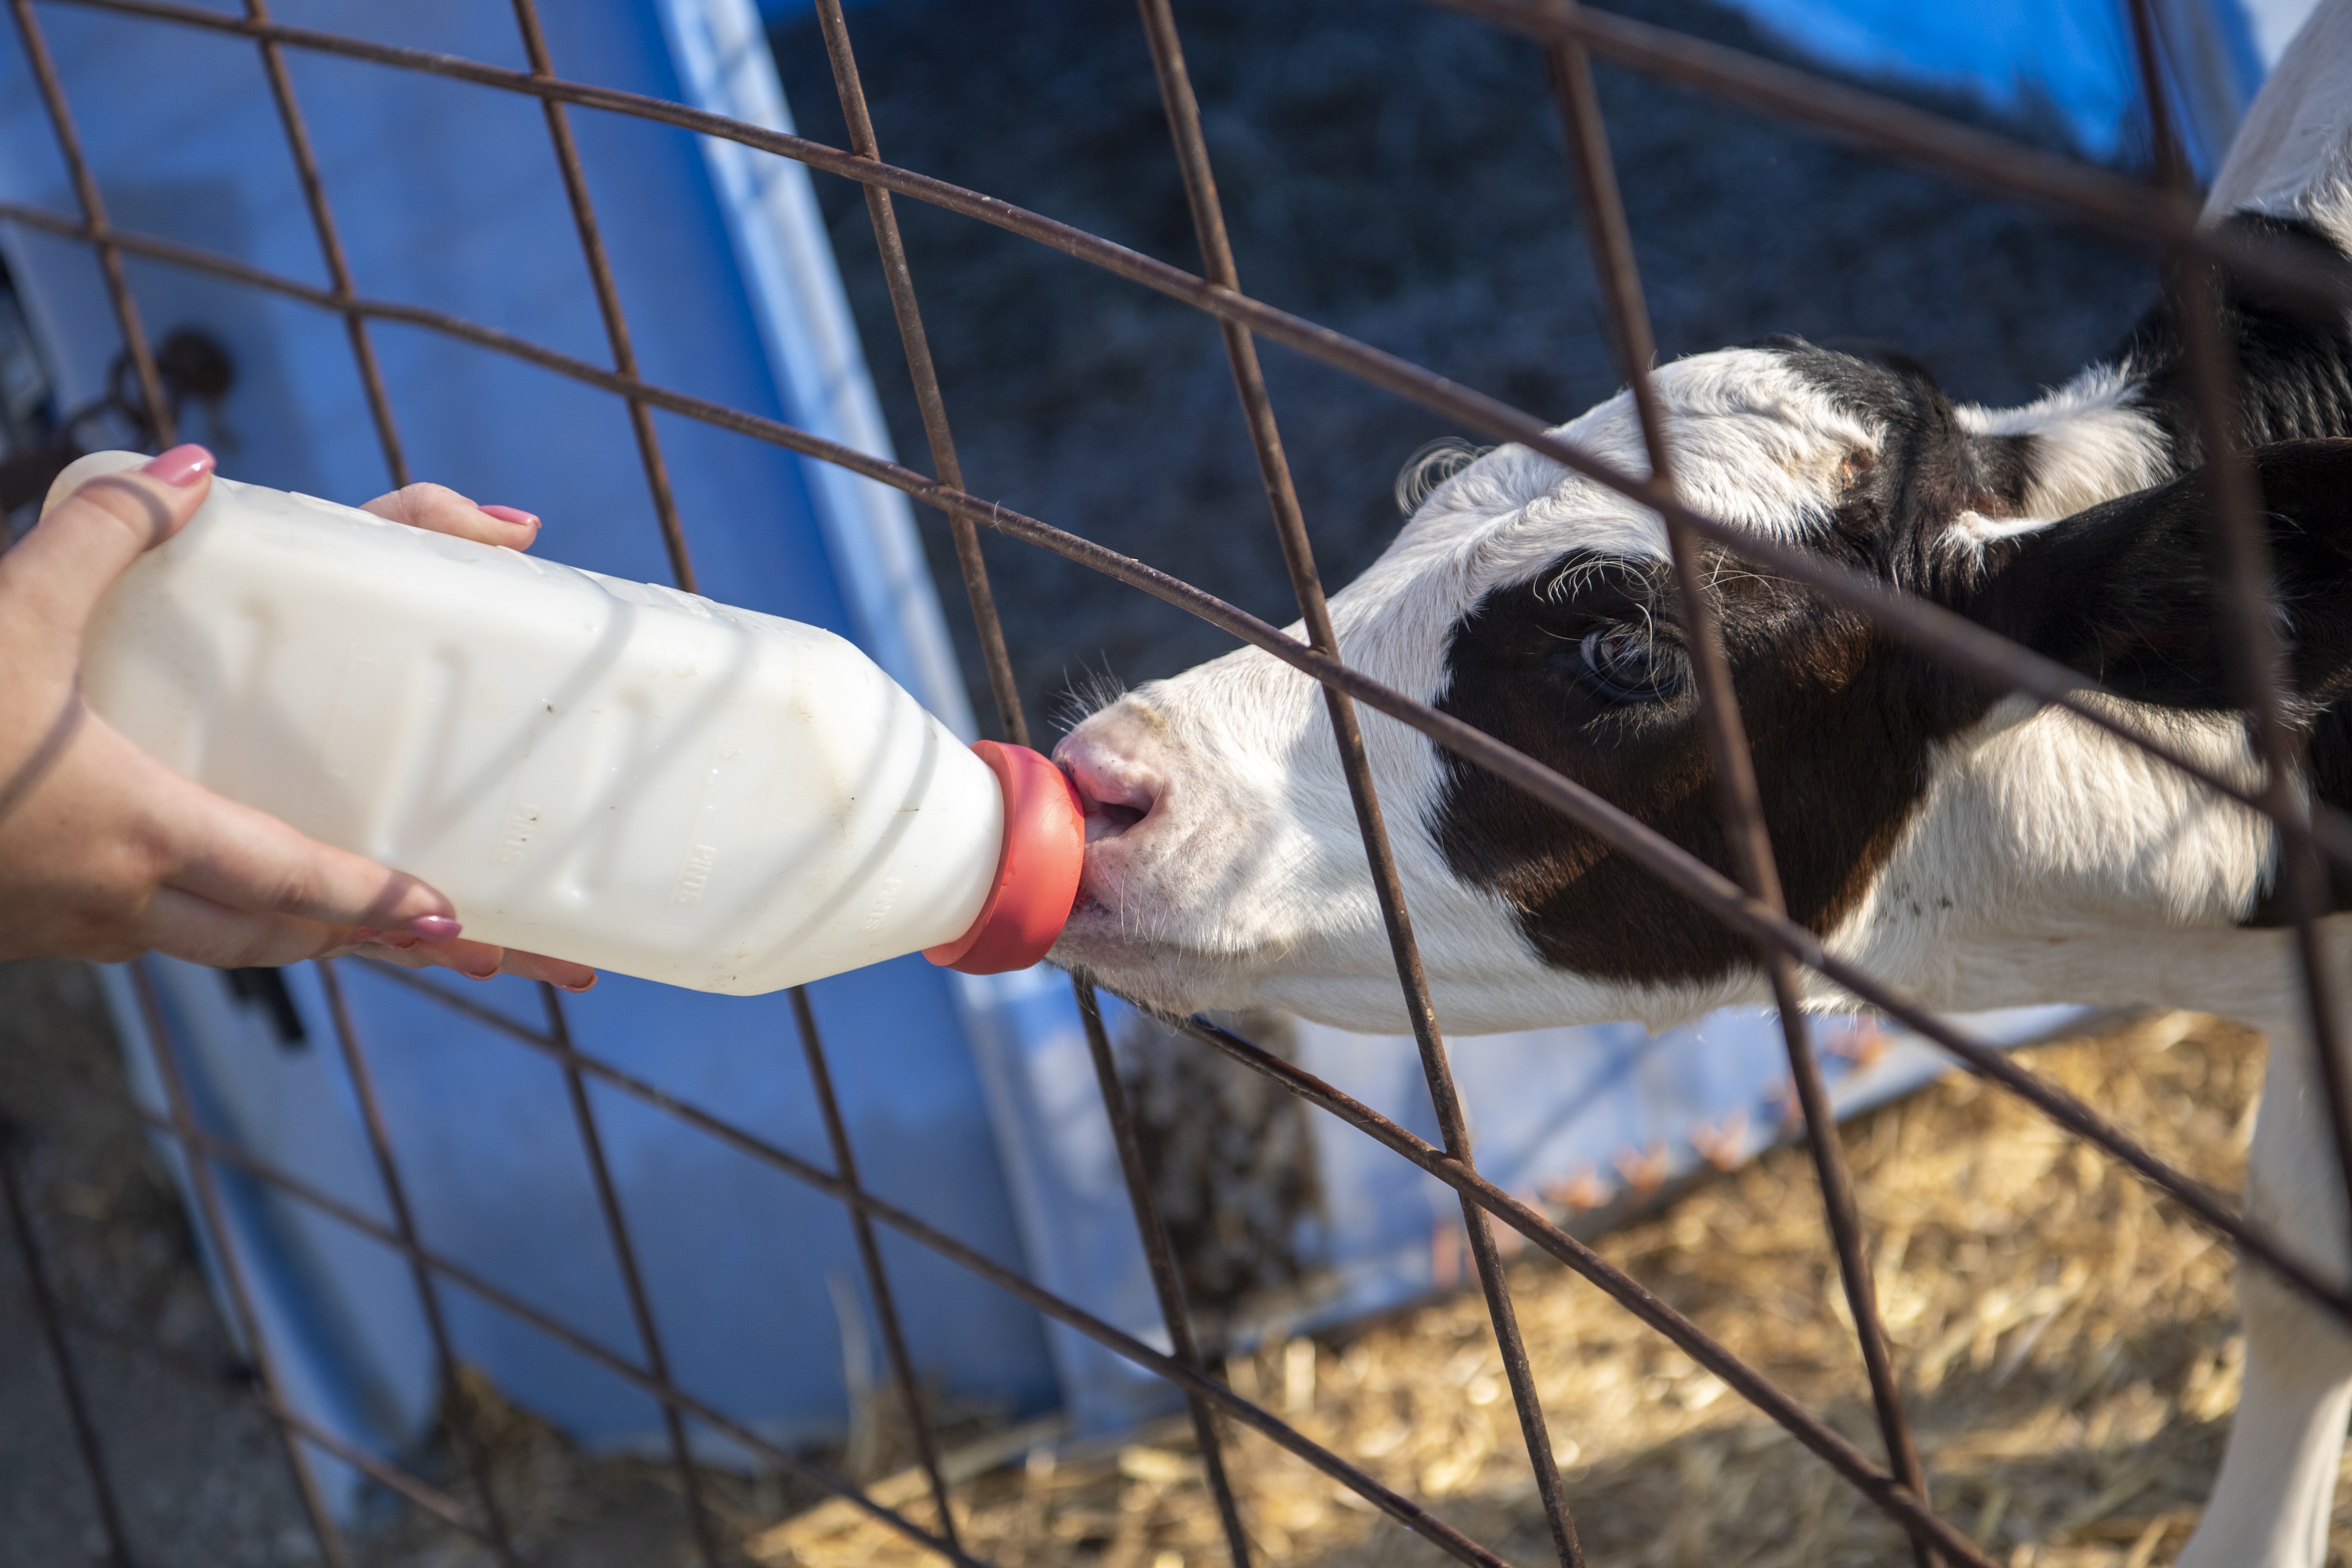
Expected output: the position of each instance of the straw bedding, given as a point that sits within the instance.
(2067, 1344)
(2066, 1340)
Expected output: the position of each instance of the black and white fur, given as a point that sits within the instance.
(1977, 851)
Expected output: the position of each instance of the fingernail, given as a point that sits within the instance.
(586, 984)
(184, 465)
(434, 928)
(490, 974)
(510, 514)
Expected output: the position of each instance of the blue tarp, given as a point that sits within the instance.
(448, 197)
(2070, 61)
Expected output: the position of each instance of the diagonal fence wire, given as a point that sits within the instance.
(1695, 879)
(2251, 613)
(1013, 721)
(655, 468)
(1740, 801)
(2165, 218)
(2290, 272)
(608, 297)
(633, 1279)
(331, 246)
(1958, 642)
(457, 1408)
(1160, 1260)
(917, 344)
(57, 1315)
(246, 1320)
(42, 1294)
(1687, 1336)
(1184, 116)
(426, 1497)
(1174, 1312)
(1185, 1375)
(197, 1141)
(870, 1253)
(93, 215)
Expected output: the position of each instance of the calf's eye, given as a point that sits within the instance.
(1630, 664)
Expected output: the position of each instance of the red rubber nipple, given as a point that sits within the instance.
(1036, 870)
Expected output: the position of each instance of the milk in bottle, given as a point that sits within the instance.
(611, 772)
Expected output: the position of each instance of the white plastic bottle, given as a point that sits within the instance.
(609, 773)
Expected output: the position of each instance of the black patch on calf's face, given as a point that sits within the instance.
(1841, 724)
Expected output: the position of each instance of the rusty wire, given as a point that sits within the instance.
(1298, 553)
(2161, 216)
(633, 1279)
(1740, 801)
(608, 299)
(244, 1321)
(43, 1299)
(471, 1450)
(870, 1253)
(93, 217)
(427, 1497)
(1159, 1259)
(2251, 643)
(331, 246)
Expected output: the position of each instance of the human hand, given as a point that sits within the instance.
(105, 853)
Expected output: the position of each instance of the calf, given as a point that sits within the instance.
(1978, 851)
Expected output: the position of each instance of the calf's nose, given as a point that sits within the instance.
(1116, 791)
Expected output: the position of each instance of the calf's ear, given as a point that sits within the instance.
(2130, 592)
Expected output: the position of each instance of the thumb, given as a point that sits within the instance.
(54, 578)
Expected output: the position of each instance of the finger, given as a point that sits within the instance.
(249, 861)
(481, 961)
(407, 955)
(560, 973)
(186, 925)
(438, 509)
(53, 579)
(475, 960)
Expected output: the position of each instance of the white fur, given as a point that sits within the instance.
(2049, 861)
(2095, 443)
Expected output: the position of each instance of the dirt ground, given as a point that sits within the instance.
(2066, 1341)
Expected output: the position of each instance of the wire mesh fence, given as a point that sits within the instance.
(2159, 215)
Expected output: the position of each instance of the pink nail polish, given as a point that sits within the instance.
(434, 928)
(184, 465)
(510, 514)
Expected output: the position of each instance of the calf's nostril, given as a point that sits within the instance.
(1105, 820)
(1112, 803)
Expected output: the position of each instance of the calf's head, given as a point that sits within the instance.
(1225, 867)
